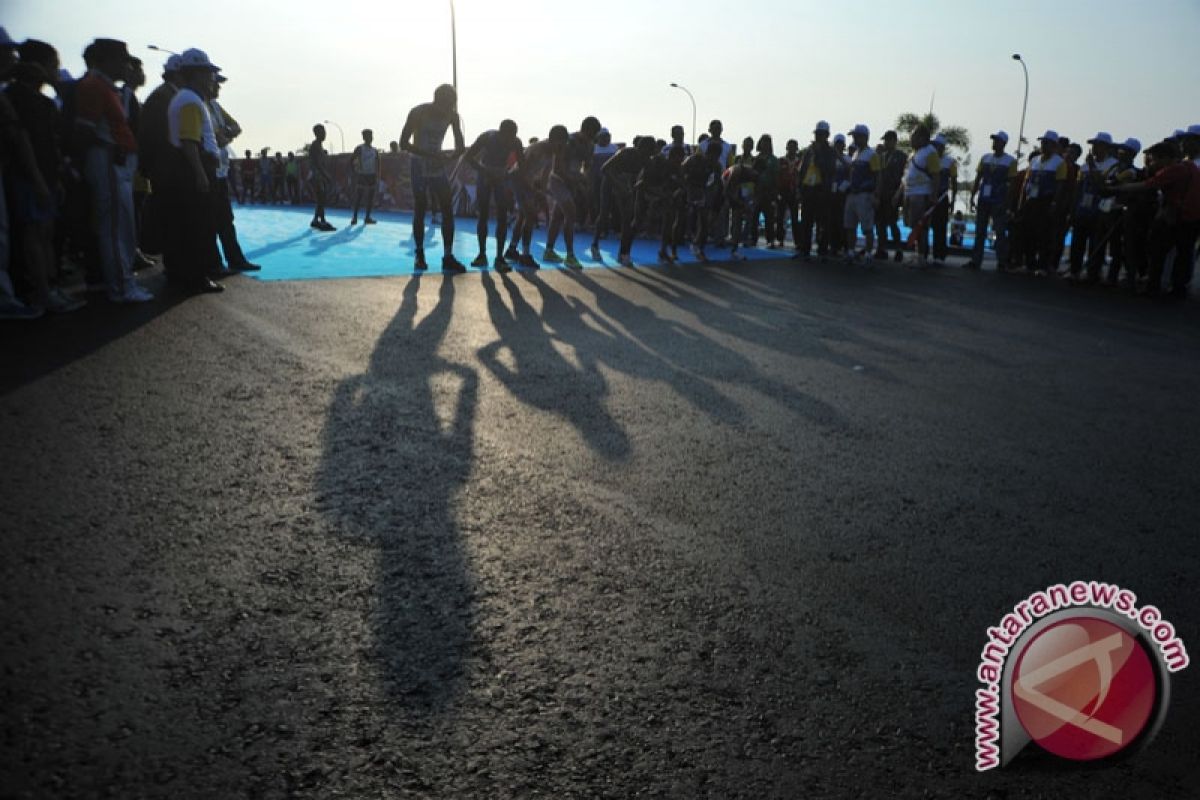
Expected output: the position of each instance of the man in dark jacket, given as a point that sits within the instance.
(816, 179)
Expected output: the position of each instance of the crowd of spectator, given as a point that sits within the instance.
(95, 180)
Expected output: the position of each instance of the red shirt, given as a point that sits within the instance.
(1180, 184)
(98, 103)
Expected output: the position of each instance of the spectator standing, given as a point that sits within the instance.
(946, 192)
(319, 178)
(893, 162)
(190, 242)
(226, 129)
(365, 164)
(108, 168)
(921, 182)
(1044, 192)
(991, 200)
(816, 181)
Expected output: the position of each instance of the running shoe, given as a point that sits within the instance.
(664, 259)
(452, 264)
(420, 263)
(369, 221)
(500, 265)
(480, 260)
(595, 253)
(15, 309)
(526, 261)
(353, 221)
(551, 257)
(625, 261)
(63, 303)
(571, 262)
(132, 294)
(512, 253)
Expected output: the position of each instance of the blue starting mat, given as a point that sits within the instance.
(280, 239)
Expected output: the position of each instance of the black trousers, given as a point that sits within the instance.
(223, 219)
(1180, 237)
(788, 208)
(190, 235)
(814, 213)
(938, 223)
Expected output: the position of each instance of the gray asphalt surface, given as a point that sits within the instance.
(733, 532)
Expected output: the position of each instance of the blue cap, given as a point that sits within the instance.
(1000, 136)
(861, 130)
(1101, 138)
(1193, 130)
(1132, 145)
(1049, 136)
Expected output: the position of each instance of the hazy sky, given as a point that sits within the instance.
(774, 66)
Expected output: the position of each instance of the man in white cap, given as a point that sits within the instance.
(816, 183)
(862, 196)
(1093, 219)
(921, 182)
(994, 183)
(1041, 198)
(191, 237)
(1137, 215)
(946, 192)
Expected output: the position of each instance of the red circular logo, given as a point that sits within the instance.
(1084, 688)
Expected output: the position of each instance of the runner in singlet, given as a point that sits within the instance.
(494, 155)
(622, 171)
(422, 137)
(530, 181)
(569, 184)
(660, 190)
(699, 170)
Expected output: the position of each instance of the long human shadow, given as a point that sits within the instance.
(391, 470)
(650, 347)
(282, 244)
(319, 244)
(580, 399)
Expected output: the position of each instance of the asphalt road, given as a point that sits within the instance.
(733, 532)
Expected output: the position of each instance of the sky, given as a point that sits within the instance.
(761, 66)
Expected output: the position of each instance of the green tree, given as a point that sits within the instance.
(956, 135)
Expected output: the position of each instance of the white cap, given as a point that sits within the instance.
(196, 59)
(1133, 145)
(1001, 135)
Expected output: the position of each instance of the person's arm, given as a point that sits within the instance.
(191, 127)
(456, 129)
(378, 164)
(975, 189)
(406, 134)
(472, 157)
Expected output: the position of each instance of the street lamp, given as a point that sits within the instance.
(161, 49)
(1024, 106)
(454, 46)
(693, 99)
(340, 133)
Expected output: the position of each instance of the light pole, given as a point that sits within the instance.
(693, 99)
(454, 46)
(341, 135)
(161, 49)
(1024, 106)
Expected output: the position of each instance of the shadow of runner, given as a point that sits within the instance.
(537, 364)
(283, 244)
(390, 472)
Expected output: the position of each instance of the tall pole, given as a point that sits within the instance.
(1024, 105)
(341, 134)
(693, 99)
(454, 45)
